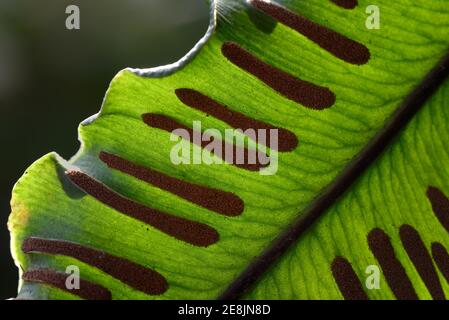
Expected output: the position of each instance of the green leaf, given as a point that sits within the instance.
(393, 194)
(160, 239)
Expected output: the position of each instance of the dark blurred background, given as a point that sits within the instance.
(52, 78)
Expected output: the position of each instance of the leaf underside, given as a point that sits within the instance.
(139, 227)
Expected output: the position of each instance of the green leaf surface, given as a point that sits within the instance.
(413, 38)
(391, 194)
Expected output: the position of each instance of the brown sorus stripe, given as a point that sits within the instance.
(303, 92)
(409, 108)
(347, 281)
(195, 233)
(441, 258)
(380, 245)
(134, 275)
(192, 98)
(346, 4)
(168, 124)
(332, 41)
(420, 257)
(87, 290)
(222, 202)
(440, 205)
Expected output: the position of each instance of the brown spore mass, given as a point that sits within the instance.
(194, 99)
(440, 205)
(310, 95)
(168, 124)
(222, 202)
(335, 43)
(192, 232)
(347, 280)
(422, 261)
(441, 258)
(380, 245)
(128, 272)
(346, 4)
(87, 289)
